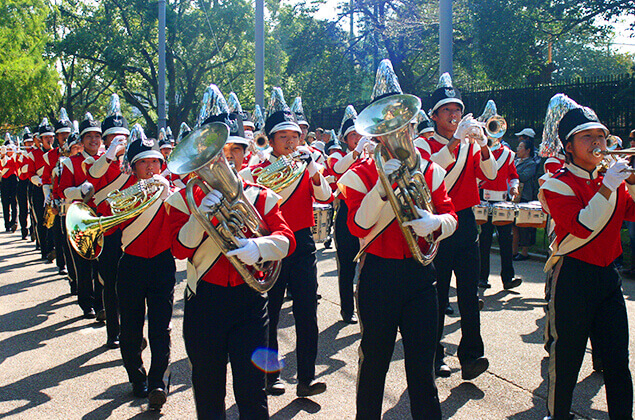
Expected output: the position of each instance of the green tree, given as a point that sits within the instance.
(28, 81)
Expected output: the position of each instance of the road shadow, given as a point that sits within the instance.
(297, 407)
(32, 388)
(459, 396)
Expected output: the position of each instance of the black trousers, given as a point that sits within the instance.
(221, 323)
(8, 189)
(68, 255)
(505, 244)
(33, 216)
(88, 285)
(347, 247)
(299, 274)
(141, 282)
(23, 206)
(587, 299)
(46, 241)
(59, 241)
(397, 295)
(108, 261)
(460, 254)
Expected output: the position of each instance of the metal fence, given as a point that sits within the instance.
(612, 98)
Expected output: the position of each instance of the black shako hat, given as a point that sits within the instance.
(445, 93)
(235, 123)
(89, 124)
(142, 147)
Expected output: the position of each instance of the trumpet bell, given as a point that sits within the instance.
(496, 127)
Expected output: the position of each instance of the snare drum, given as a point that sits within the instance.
(531, 215)
(503, 213)
(481, 212)
(323, 216)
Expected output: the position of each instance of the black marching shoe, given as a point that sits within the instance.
(89, 314)
(474, 368)
(101, 315)
(484, 284)
(140, 389)
(157, 397)
(308, 389)
(62, 271)
(350, 319)
(441, 370)
(112, 344)
(510, 284)
(449, 310)
(274, 387)
(14, 228)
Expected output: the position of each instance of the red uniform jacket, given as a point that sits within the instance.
(372, 218)
(205, 259)
(587, 225)
(505, 175)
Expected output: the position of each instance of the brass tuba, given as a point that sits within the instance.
(85, 229)
(388, 120)
(201, 152)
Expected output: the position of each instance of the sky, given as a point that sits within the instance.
(622, 42)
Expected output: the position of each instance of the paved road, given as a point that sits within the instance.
(53, 363)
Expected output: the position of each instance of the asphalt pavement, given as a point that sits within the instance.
(54, 365)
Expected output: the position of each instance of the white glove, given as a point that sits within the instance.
(247, 253)
(616, 174)
(305, 153)
(36, 180)
(479, 135)
(86, 187)
(118, 144)
(426, 224)
(389, 167)
(165, 183)
(48, 199)
(464, 127)
(210, 201)
(312, 168)
(361, 144)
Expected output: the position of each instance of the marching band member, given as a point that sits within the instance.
(249, 127)
(50, 177)
(146, 276)
(465, 161)
(23, 183)
(106, 176)
(395, 292)
(588, 209)
(346, 244)
(74, 186)
(494, 192)
(224, 318)
(8, 186)
(425, 131)
(45, 136)
(301, 119)
(299, 270)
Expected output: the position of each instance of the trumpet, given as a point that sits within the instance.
(612, 154)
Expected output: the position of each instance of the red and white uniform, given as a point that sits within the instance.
(506, 175)
(74, 174)
(23, 160)
(553, 165)
(205, 261)
(587, 225)
(296, 202)
(8, 166)
(176, 181)
(372, 219)
(145, 236)
(106, 177)
(463, 167)
(36, 166)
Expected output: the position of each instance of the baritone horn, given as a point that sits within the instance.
(85, 230)
(388, 120)
(201, 152)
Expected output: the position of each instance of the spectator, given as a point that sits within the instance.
(527, 168)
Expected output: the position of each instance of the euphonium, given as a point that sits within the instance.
(85, 229)
(280, 174)
(201, 152)
(388, 120)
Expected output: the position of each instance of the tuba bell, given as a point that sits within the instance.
(388, 120)
(201, 152)
(85, 230)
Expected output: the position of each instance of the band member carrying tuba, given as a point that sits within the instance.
(225, 318)
(300, 188)
(395, 291)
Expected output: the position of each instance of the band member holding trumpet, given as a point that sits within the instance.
(74, 186)
(459, 145)
(146, 276)
(505, 185)
(225, 318)
(396, 289)
(588, 208)
(299, 270)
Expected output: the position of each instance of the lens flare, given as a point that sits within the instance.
(267, 360)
